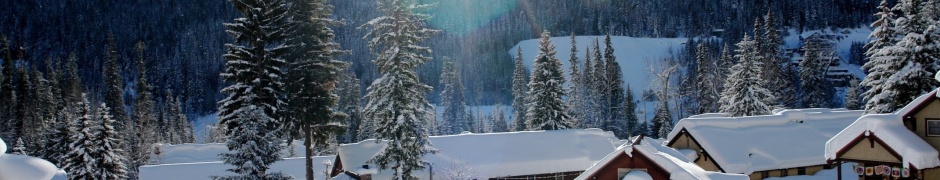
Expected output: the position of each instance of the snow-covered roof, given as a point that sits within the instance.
(203, 170)
(891, 130)
(757, 143)
(496, 154)
(193, 153)
(671, 160)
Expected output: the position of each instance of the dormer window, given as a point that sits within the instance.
(933, 127)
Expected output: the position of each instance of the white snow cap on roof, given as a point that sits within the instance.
(674, 162)
(203, 170)
(637, 175)
(757, 143)
(496, 154)
(3, 147)
(891, 130)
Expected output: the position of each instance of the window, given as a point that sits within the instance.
(801, 171)
(933, 127)
(764, 174)
(784, 173)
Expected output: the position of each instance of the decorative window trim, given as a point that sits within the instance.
(928, 126)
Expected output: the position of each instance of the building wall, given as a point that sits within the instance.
(932, 111)
(810, 170)
(638, 161)
(684, 141)
(864, 150)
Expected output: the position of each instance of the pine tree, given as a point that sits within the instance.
(547, 110)
(498, 120)
(880, 64)
(348, 91)
(629, 106)
(143, 133)
(852, 101)
(19, 148)
(80, 161)
(725, 64)
(180, 130)
(114, 84)
(662, 121)
(24, 116)
(250, 146)
(706, 90)
(772, 72)
(253, 69)
(7, 98)
(45, 111)
(72, 92)
(452, 100)
(58, 139)
(107, 143)
(601, 91)
(314, 72)
(396, 100)
(615, 121)
(575, 86)
(744, 94)
(817, 91)
(519, 89)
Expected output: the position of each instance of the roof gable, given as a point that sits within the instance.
(665, 158)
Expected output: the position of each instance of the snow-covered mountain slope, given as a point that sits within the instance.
(633, 54)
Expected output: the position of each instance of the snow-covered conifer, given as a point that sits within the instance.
(629, 106)
(80, 161)
(744, 94)
(615, 120)
(706, 91)
(775, 75)
(143, 127)
(452, 100)
(519, 90)
(575, 87)
(253, 69)
(19, 148)
(114, 84)
(852, 99)
(107, 144)
(880, 64)
(817, 91)
(397, 101)
(498, 120)
(662, 121)
(547, 110)
(348, 91)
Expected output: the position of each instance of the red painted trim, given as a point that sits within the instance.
(704, 152)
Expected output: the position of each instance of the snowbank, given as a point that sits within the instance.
(192, 153)
(203, 170)
(496, 154)
(13, 167)
(756, 143)
(891, 130)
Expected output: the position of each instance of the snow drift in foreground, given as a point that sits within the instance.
(15, 167)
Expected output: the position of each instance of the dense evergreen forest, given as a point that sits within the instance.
(184, 40)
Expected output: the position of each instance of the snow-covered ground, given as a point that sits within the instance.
(203, 170)
(195, 153)
(16, 167)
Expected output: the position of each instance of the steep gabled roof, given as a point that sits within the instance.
(890, 129)
(496, 154)
(674, 162)
(785, 139)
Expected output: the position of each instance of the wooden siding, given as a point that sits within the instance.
(869, 150)
(930, 111)
(684, 141)
(638, 161)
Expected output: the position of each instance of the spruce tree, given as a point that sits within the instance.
(58, 139)
(143, 133)
(615, 121)
(19, 148)
(114, 84)
(519, 90)
(817, 91)
(706, 90)
(744, 93)
(880, 64)
(662, 121)
(250, 146)
(588, 106)
(601, 89)
(7, 98)
(852, 99)
(575, 87)
(45, 111)
(253, 68)
(23, 118)
(498, 120)
(80, 161)
(313, 72)
(629, 106)
(72, 92)
(452, 100)
(108, 149)
(547, 110)
(396, 99)
(348, 91)
(772, 71)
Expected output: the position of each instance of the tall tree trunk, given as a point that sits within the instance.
(308, 152)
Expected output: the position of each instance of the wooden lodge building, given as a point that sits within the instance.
(785, 143)
(649, 159)
(904, 143)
